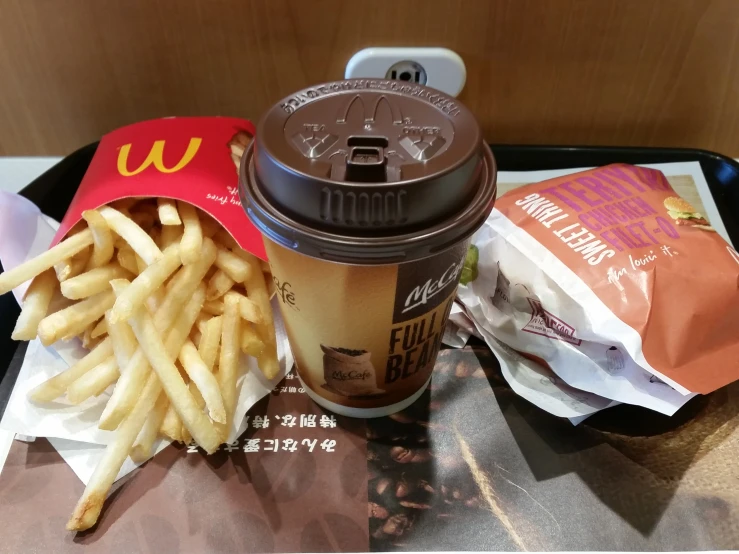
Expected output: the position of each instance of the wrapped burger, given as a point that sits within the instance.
(614, 282)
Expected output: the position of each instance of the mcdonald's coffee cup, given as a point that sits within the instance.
(366, 193)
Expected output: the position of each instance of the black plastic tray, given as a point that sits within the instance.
(52, 192)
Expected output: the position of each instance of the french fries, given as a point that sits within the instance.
(167, 211)
(28, 270)
(135, 236)
(93, 281)
(102, 239)
(257, 288)
(141, 450)
(73, 266)
(210, 340)
(192, 236)
(167, 301)
(233, 266)
(57, 385)
(88, 507)
(100, 329)
(145, 284)
(220, 283)
(94, 382)
(229, 358)
(196, 421)
(35, 305)
(72, 321)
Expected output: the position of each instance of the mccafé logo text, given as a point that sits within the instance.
(285, 292)
(155, 158)
(422, 294)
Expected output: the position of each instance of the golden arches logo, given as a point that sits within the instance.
(155, 158)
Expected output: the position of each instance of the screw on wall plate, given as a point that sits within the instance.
(407, 71)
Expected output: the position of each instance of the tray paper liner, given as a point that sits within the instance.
(483, 469)
(25, 232)
(590, 273)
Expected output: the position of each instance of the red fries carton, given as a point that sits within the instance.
(194, 159)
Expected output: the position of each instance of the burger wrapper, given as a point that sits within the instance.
(208, 177)
(590, 273)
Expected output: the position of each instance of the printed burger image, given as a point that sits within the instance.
(685, 214)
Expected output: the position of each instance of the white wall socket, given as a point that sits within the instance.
(439, 68)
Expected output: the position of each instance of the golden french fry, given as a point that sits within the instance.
(167, 211)
(170, 235)
(94, 382)
(213, 307)
(135, 236)
(182, 285)
(174, 385)
(141, 449)
(88, 507)
(257, 291)
(100, 329)
(249, 310)
(73, 266)
(218, 285)
(155, 300)
(233, 266)
(87, 336)
(102, 239)
(171, 426)
(147, 282)
(72, 321)
(192, 236)
(35, 306)
(28, 270)
(228, 364)
(54, 387)
(204, 380)
(127, 259)
(199, 400)
(124, 342)
(93, 281)
(265, 267)
(251, 344)
(136, 371)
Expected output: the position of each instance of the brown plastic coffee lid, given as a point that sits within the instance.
(368, 171)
